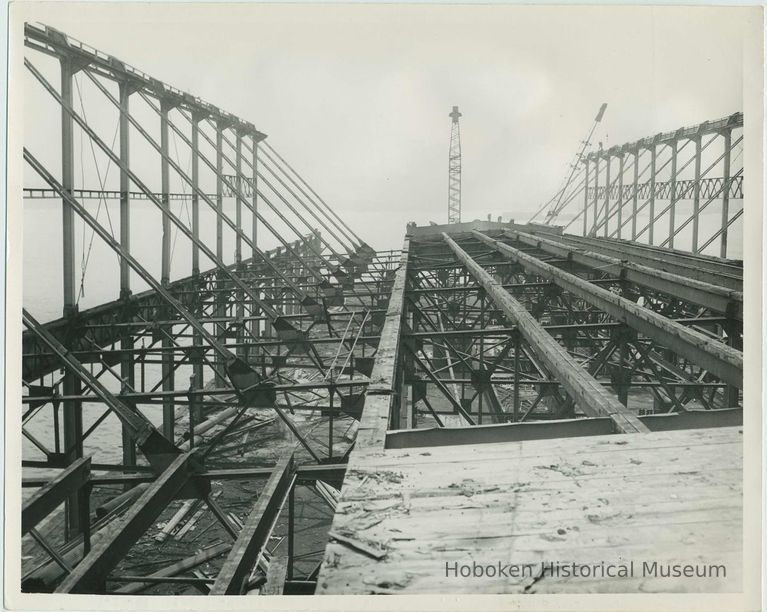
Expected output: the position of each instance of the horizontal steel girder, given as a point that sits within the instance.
(251, 541)
(719, 359)
(89, 576)
(699, 267)
(593, 399)
(683, 189)
(718, 299)
(37, 363)
(54, 492)
(158, 450)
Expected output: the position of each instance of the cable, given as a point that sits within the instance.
(84, 265)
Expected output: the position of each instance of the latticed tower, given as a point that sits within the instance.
(454, 171)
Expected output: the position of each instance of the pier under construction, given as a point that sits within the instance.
(303, 413)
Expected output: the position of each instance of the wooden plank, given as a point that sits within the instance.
(670, 497)
(277, 572)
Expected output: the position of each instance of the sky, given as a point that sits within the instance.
(357, 97)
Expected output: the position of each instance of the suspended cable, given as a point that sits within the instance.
(102, 183)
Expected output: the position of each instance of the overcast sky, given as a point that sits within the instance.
(357, 97)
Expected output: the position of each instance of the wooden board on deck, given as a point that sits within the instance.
(672, 497)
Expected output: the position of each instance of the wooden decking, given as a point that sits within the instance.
(407, 516)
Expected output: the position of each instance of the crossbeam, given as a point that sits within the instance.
(721, 360)
(250, 544)
(593, 399)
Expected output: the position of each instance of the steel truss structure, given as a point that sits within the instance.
(471, 332)
(551, 335)
(681, 189)
(454, 169)
(289, 330)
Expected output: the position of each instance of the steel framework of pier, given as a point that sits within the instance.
(470, 324)
(657, 190)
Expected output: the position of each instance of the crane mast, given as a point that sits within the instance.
(454, 171)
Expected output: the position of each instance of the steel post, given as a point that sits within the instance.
(696, 197)
(255, 328)
(672, 194)
(653, 176)
(726, 192)
(586, 200)
(595, 203)
(621, 162)
(127, 369)
(635, 194)
(608, 186)
(167, 371)
(72, 409)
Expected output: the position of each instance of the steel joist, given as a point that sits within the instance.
(713, 297)
(719, 359)
(593, 399)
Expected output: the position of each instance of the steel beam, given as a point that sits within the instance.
(698, 268)
(586, 200)
(709, 296)
(672, 207)
(48, 497)
(342, 226)
(379, 397)
(166, 213)
(225, 269)
(156, 448)
(592, 398)
(116, 540)
(696, 196)
(230, 358)
(726, 192)
(714, 356)
(251, 542)
(653, 177)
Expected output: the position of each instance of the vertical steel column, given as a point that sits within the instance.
(291, 530)
(165, 179)
(125, 92)
(653, 159)
(696, 196)
(517, 347)
(67, 182)
(596, 195)
(255, 328)
(331, 416)
(621, 162)
(726, 193)
(218, 298)
(240, 184)
(625, 372)
(196, 118)
(127, 366)
(219, 190)
(72, 410)
(608, 159)
(197, 371)
(635, 194)
(586, 201)
(672, 195)
(168, 375)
